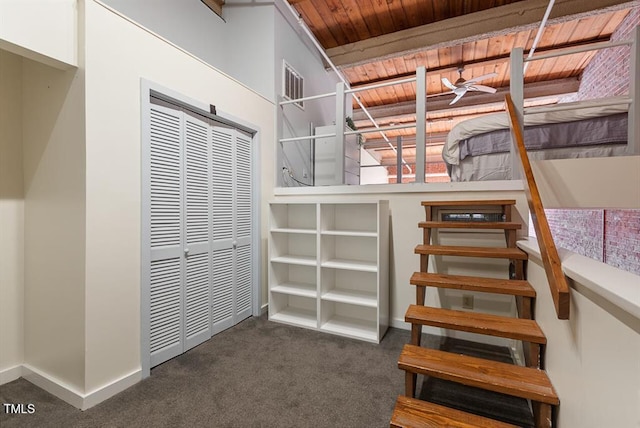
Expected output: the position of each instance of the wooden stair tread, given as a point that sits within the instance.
(463, 251)
(474, 322)
(469, 225)
(492, 202)
(414, 413)
(523, 382)
(512, 287)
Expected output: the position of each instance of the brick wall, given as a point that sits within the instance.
(622, 239)
(607, 74)
(611, 236)
(580, 231)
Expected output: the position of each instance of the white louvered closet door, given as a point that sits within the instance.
(166, 252)
(231, 244)
(199, 212)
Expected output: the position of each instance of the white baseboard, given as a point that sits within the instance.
(264, 309)
(10, 374)
(53, 386)
(98, 395)
(74, 397)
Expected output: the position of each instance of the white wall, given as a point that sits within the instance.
(593, 359)
(293, 46)
(54, 177)
(11, 218)
(114, 70)
(589, 183)
(249, 39)
(42, 30)
(241, 45)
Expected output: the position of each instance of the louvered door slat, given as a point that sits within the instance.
(165, 234)
(243, 227)
(197, 303)
(165, 320)
(197, 300)
(243, 282)
(243, 186)
(222, 290)
(165, 178)
(222, 184)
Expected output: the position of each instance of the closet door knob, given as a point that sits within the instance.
(235, 244)
(186, 251)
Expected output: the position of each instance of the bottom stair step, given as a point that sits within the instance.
(413, 413)
(524, 382)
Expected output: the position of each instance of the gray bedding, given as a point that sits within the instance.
(610, 129)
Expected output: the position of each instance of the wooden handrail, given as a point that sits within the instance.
(550, 259)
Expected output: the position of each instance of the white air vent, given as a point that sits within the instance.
(292, 84)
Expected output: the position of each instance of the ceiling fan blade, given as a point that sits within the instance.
(455, 100)
(483, 88)
(479, 78)
(446, 82)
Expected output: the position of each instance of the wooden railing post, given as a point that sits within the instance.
(550, 259)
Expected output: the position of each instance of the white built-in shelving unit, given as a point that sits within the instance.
(328, 267)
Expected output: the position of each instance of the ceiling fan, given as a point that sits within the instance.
(461, 86)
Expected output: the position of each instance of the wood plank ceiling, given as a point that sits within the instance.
(358, 34)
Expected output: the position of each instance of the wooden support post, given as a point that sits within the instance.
(532, 354)
(410, 380)
(542, 414)
(524, 306)
(519, 269)
(416, 334)
(420, 294)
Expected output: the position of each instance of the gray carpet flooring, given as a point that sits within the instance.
(256, 374)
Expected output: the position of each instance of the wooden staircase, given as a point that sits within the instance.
(529, 382)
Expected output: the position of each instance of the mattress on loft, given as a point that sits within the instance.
(488, 124)
(594, 131)
(497, 166)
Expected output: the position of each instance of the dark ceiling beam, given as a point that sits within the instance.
(483, 62)
(557, 87)
(461, 29)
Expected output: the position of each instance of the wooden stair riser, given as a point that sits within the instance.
(413, 413)
(523, 382)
